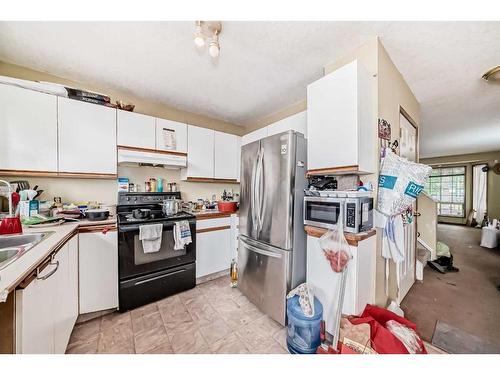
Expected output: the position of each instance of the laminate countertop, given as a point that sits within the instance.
(12, 275)
(352, 238)
(211, 214)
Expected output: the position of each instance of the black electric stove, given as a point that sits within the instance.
(147, 277)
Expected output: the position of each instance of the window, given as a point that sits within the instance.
(447, 186)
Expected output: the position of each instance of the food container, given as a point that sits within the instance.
(110, 207)
(227, 206)
(303, 333)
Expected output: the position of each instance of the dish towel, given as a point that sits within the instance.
(150, 236)
(182, 234)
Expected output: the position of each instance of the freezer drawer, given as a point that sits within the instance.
(263, 277)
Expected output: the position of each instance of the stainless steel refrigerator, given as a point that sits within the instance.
(272, 241)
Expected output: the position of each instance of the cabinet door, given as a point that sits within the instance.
(200, 152)
(297, 122)
(226, 155)
(180, 130)
(28, 130)
(87, 137)
(66, 311)
(35, 309)
(213, 252)
(254, 136)
(332, 128)
(98, 265)
(135, 130)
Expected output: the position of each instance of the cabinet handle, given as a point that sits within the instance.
(51, 263)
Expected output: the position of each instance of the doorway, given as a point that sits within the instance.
(408, 149)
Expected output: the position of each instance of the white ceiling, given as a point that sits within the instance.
(266, 66)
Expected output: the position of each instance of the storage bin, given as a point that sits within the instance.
(303, 333)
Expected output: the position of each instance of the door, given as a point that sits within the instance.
(247, 211)
(262, 277)
(98, 265)
(213, 252)
(135, 262)
(256, 135)
(479, 191)
(135, 130)
(166, 131)
(36, 306)
(87, 137)
(297, 122)
(226, 156)
(273, 190)
(406, 269)
(200, 152)
(28, 135)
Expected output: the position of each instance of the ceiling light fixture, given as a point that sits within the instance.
(199, 38)
(208, 30)
(492, 75)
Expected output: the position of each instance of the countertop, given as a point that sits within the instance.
(14, 273)
(211, 214)
(352, 238)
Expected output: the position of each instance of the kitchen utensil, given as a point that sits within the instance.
(31, 194)
(141, 213)
(21, 185)
(97, 214)
(228, 206)
(170, 207)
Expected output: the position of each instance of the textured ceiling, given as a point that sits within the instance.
(266, 66)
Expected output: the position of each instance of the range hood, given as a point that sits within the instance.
(136, 158)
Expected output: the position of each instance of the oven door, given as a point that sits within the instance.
(133, 261)
(322, 212)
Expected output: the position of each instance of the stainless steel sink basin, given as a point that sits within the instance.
(12, 247)
(6, 255)
(20, 240)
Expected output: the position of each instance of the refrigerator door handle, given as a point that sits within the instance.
(253, 198)
(262, 200)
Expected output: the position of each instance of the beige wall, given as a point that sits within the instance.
(105, 191)
(277, 116)
(393, 93)
(469, 160)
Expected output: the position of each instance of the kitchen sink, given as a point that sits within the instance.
(12, 247)
(20, 240)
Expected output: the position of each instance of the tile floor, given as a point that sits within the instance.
(211, 318)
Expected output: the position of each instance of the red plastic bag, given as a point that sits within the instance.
(382, 340)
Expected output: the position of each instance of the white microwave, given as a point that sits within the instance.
(324, 212)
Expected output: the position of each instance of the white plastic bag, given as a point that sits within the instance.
(306, 298)
(335, 246)
(406, 335)
(400, 183)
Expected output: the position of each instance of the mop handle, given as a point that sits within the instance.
(336, 328)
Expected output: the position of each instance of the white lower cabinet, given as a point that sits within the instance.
(47, 308)
(360, 284)
(213, 246)
(98, 265)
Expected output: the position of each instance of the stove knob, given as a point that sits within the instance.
(128, 198)
(135, 198)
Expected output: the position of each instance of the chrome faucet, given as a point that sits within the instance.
(9, 195)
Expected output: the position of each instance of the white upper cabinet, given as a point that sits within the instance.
(167, 131)
(341, 130)
(200, 157)
(87, 137)
(254, 136)
(28, 130)
(226, 156)
(135, 130)
(297, 122)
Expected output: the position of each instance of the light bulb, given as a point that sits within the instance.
(199, 41)
(214, 49)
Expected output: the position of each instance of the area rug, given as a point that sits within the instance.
(454, 340)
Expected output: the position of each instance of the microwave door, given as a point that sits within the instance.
(321, 212)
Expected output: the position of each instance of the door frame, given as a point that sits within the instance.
(407, 116)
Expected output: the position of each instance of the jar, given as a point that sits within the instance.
(303, 333)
